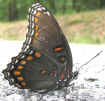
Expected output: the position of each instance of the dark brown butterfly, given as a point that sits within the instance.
(45, 62)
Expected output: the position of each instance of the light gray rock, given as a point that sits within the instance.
(90, 85)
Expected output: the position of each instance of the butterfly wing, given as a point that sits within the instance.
(49, 63)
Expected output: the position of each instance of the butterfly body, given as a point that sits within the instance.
(46, 60)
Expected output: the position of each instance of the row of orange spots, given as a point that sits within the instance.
(52, 73)
(20, 78)
(44, 71)
(23, 62)
(62, 59)
(19, 67)
(38, 14)
(17, 73)
(36, 34)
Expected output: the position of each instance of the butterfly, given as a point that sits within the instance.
(45, 62)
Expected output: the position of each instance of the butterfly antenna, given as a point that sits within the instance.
(102, 70)
(90, 60)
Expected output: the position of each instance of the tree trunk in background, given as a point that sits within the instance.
(52, 5)
(12, 10)
(73, 4)
(37, 0)
(64, 6)
(102, 3)
(76, 5)
(9, 10)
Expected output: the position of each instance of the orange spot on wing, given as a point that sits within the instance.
(35, 20)
(23, 62)
(36, 34)
(62, 76)
(57, 49)
(38, 13)
(20, 78)
(36, 27)
(33, 41)
(43, 71)
(62, 59)
(29, 58)
(17, 73)
(37, 54)
(23, 83)
(20, 67)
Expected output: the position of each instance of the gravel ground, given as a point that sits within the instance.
(90, 85)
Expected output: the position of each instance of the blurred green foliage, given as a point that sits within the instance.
(81, 20)
(55, 6)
